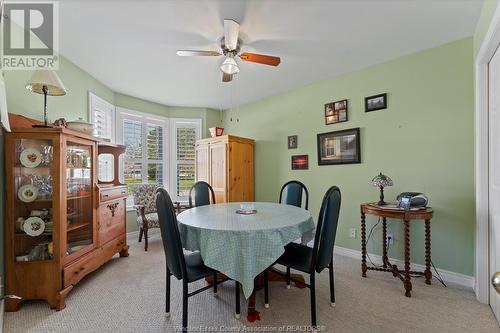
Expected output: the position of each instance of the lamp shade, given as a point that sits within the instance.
(49, 79)
(382, 181)
(229, 66)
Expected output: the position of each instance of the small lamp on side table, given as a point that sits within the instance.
(45, 82)
(382, 181)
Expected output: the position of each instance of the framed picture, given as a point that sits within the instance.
(339, 147)
(292, 142)
(376, 102)
(300, 162)
(336, 112)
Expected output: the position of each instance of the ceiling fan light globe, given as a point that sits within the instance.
(229, 66)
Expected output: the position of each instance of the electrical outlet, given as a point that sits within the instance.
(389, 238)
(352, 232)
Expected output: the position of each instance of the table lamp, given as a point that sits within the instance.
(381, 181)
(45, 82)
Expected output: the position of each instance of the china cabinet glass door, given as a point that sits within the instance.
(33, 202)
(79, 206)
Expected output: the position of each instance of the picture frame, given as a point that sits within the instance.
(292, 142)
(339, 147)
(336, 112)
(376, 102)
(300, 162)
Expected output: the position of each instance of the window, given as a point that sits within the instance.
(186, 132)
(144, 136)
(102, 115)
(158, 150)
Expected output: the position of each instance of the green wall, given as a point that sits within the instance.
(487, 11)
(142, 105)
(423, 141)
(71, 106)
(209, 117)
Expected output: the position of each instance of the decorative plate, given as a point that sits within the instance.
(34, 226)
(30, 157)
(27, 193)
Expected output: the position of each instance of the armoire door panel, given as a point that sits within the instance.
(202, 165)
(240, 184)
(218, 166)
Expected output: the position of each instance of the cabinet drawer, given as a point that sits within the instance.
(76, 271)
(111, 248)
(111, 222)
(113, 193)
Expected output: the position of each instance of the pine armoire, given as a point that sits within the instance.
(227, 163)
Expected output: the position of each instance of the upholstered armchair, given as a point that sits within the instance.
(145, 206)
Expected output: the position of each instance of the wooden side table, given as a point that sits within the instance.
(406, 216)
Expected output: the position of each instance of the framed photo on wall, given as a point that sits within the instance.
(375, 102)
(292, 142)
(300, 162)
(339, 147)
(336, 112)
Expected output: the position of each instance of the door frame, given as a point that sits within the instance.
(488, 47)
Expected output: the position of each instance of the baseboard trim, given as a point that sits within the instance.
(448, 276)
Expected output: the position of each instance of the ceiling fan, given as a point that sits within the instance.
(230, 46)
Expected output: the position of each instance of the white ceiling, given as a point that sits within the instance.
(130, 45)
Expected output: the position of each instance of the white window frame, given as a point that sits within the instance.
(106, 162)
(96, 102)
(176, 123)
(482, 258)
(145, 118)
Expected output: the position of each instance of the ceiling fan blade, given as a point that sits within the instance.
(193, 53)
(231, 31)
(227, 77)
(261, 59)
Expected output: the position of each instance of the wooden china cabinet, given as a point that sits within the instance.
(60, 223)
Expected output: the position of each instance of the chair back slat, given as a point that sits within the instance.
(326, 229)
(170, 234)
(202, 192)
(293, 191)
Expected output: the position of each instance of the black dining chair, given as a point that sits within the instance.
(202, 194)
(293, 191)
(314, 260)
(293, 194)
(186, 267)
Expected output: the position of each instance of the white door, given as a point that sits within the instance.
(494, 175)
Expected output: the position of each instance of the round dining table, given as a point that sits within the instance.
(241, 246)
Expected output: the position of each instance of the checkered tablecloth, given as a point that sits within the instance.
(242, 246)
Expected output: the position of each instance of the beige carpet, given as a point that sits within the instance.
(127, 295)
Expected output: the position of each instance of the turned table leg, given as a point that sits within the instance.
(428, 273)
(363, 245)
(384, 242)
(407, 280)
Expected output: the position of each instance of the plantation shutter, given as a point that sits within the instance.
(186, 138)
(154, 142)
(102, 114)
